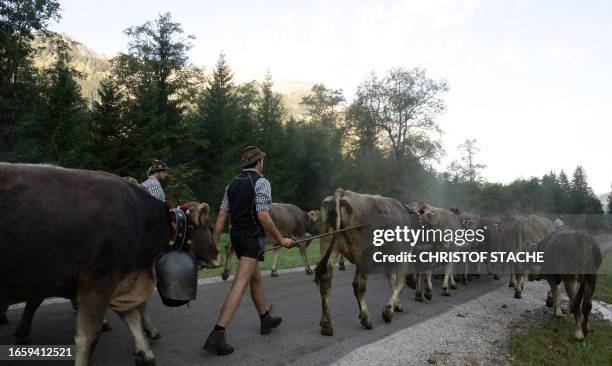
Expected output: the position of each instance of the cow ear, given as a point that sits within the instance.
(203, 211)
(431, 217)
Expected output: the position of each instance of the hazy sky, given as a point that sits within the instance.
(530, 80)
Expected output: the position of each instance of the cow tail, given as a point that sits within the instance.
(322, 266)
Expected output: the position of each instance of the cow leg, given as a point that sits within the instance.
(22, 334)
(228, 261)
(557, 301)
(511, 283)
(448, 277)
(587, 302)
(359, 288)
(341, 265)
(325, 291)
(3, 317)
(149, 328)
(418, 293)
(550, 301)
(396, 285)
(575, 301)
(305, 259)
(274, 267)
(518, 285)
(143, 355)
(429, 288)
(92, 305)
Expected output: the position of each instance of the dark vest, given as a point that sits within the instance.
(241, 197)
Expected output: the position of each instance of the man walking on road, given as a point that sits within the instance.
(247, 200)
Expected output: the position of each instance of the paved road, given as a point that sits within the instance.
(297, 341)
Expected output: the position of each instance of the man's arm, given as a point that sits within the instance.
(219, 225)
(266, 221)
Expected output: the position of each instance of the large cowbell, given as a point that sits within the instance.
(177, 277)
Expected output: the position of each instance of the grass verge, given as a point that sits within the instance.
(288, 258)
(603, 291)
(551, 342)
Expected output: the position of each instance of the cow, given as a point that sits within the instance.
(522, 234)
(571, 257)
(291, 221)
(197, 244)
(343, 210)
(89, 236)
(438, 219)
(488, 244)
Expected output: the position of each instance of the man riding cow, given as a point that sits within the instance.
(247, 199)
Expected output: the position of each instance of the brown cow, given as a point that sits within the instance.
(442, 219)
(89, 236)
(522, 234)
(197, 243)
(291, 221)
(345, 209)
(573, 258)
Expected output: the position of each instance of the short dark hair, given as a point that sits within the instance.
(252, 165)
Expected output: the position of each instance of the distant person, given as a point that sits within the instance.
(156, 174)
(559, 224)
(247, 200)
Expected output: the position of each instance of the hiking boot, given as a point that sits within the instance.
(268, 322)
(216, 343)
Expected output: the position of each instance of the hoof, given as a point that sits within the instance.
(23, 340)
(517, 295)
(274, 274)
(367, 324)
(327, 330)
(398, 308)
(225, 275)
(511, 284)
(153, 335)
(387, 314)
(418, 298)
(106, 327)
(139, 359)
(453, 286)
(341, 267)
(309, 271)
(550, 302)
(445, 293)
(578, 336)
(428, 295)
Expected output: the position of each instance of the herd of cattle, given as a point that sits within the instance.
(93, 238)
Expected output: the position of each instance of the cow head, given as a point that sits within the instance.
(202, 246)
(313, 226)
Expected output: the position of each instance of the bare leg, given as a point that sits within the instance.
(257, 294)
(143, 354)
(228, 261)
(274, 268)
(244, 273)
(149, 327)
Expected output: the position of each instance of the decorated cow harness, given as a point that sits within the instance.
(182, 227)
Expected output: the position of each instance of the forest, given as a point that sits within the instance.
(155, 104)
